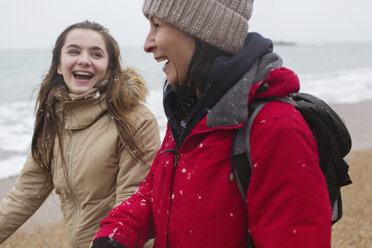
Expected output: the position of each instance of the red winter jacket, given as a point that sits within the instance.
(188, 200)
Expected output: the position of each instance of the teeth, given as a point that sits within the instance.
(81, 73)
(161, 59)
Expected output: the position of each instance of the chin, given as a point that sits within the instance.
(79, 91)
(170, 82)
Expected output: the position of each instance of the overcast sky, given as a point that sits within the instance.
(37, 23)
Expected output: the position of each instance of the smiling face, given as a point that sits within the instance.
(170, 44)
(84, 60)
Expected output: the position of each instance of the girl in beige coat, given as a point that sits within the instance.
(93, 139)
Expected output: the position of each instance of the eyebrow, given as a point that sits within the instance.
(91, 48)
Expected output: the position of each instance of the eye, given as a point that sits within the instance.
(156, 25)
(73, 51)
(97, 55)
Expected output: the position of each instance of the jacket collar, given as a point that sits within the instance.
(83, 110)
(232, 109)
(82, 113)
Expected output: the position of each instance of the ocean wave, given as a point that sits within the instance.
(343, 86)
(16, 125)
(11, 166)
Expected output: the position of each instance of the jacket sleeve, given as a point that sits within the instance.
(287, 198)
(132, 172)
(26, 196)
(131, 222)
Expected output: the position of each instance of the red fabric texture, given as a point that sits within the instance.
(189, 201)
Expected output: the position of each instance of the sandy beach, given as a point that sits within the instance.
(354, 230)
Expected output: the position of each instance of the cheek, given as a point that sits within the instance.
(103, 68)
(64, 65)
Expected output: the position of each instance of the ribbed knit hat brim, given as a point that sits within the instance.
(221, 23)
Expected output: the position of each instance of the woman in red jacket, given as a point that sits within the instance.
(214, 69)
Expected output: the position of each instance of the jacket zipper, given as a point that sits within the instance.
(70, 163)
(176, 157)
(175, 161)
(176, 153)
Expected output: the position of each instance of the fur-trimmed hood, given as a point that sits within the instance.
(135, 85)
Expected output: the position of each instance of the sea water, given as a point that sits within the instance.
(338, 73)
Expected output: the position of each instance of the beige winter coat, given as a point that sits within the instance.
(99, 172)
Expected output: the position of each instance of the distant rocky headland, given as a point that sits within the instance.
(284, 43)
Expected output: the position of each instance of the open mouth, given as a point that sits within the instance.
(82, 75)
(163, 59)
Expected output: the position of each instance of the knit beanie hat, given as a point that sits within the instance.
(220, 23)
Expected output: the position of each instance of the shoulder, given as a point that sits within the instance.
(280, 114)
(145, 123)
(280, 122)
(141, 113)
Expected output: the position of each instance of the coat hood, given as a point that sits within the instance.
(134, 84)
(264, 80)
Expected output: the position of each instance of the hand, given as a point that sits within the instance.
(106, 242)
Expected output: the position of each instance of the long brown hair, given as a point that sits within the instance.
(49, 117)
(192, 88)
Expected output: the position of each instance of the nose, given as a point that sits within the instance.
(149, 44)
(84, 60)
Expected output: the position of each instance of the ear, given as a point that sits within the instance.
(59, 70)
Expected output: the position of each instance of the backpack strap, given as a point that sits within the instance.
(241, 164)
